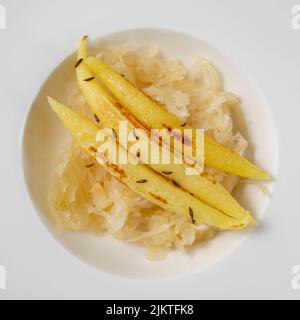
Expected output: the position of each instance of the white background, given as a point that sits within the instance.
(257, 34)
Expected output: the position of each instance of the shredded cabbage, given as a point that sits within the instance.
(84, 197)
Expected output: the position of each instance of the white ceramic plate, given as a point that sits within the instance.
(44, 137)
(38, 38)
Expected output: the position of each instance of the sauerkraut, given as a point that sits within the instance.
(84, 197)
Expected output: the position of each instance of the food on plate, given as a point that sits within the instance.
(155, 205)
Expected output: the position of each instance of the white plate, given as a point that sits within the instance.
(44, 137)
(34, 45)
